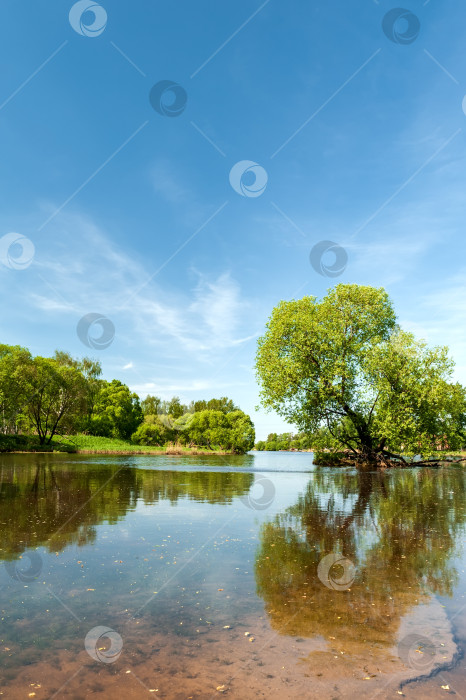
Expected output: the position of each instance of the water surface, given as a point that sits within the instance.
(257, 576)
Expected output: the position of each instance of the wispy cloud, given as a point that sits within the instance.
(166, 388)
(167, 183)
(439, 317)
(87, 272)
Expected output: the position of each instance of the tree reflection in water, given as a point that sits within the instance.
(398, 529)
(45, 501)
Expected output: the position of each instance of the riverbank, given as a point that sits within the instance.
(90, 444)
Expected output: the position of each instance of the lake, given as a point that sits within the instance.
(257, 576)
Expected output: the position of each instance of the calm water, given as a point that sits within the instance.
(257, 576)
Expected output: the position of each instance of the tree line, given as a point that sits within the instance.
(60, 396)
(284, 441)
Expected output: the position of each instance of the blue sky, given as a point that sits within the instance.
(131, 212)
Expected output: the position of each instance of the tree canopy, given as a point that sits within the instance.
(117, 412)
(344, 371)
(233, 431)
(62, 396)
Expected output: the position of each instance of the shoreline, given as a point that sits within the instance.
(129, 453)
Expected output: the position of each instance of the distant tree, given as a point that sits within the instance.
(230, 431)
(56, 395)
(181, 427)
(150, 405)
(223, 404)
(242, 433)
(117, 412)
(14, 394)
(197, 406)
(285, 441)
(176, 408)
(91, 371)
(152, 432)
(205, 428)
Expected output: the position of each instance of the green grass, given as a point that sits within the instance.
(95, 444)
(29, 443)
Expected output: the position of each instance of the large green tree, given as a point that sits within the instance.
(153, 431)
(56, 396)
(45, 396)
(232, 431)
(91, 370)
(342, 369)
(13, 386)
(117, 411)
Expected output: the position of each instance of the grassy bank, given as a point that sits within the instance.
(90, 444)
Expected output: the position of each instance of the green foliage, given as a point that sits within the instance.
(230, 431)
(150, 405)
(44, 395)
(117, 412)
(30, 443)
(98, 443)
(13, 386)
(223, 404)
(285, 441)
(154, 405)
(147, 434)
(344, 372)
(58, 395)
(329, 459)
(47, 397)
(152, 432)
(175, 408)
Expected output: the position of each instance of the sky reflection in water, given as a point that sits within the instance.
(182, 556)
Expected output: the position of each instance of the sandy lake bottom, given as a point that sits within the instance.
(260, 576)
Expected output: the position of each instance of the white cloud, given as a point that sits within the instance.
(218, 304)
(48, 304)
(440, 318)
(87, 272)
(166, 388)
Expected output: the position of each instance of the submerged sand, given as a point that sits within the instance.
(248, 659)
